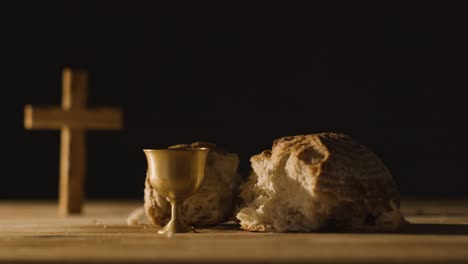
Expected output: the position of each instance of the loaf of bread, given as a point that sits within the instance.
(319, 182)
(213, 202)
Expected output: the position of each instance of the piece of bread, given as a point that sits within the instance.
(319, 182)
(213, 203)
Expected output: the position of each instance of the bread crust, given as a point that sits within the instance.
(317, 182)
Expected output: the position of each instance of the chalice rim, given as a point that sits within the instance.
(175, 150)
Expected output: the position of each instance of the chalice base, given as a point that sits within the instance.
(176, 227)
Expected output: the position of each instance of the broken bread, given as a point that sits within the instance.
(213, 202)
(319, 182)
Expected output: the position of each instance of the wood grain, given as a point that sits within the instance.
(32, 233)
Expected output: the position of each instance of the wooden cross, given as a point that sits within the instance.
(73, 118)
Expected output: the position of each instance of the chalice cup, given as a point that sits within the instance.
(176, 174)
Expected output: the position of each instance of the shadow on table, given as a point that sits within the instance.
(410, 228)
(229, 226)
(436, 229)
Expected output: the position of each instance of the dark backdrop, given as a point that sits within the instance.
(241, 75)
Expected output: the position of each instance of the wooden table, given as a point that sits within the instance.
(30, 232)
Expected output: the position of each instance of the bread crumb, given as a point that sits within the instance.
(135, 216)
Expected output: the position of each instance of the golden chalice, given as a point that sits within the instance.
(176, 174)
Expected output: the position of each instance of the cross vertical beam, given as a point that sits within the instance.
(72, 144)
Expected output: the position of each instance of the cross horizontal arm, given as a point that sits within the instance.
(56, 118)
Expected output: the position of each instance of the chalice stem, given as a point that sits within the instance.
(176, 225)
(175, 211)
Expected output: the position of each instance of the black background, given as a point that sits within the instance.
(391, 74)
